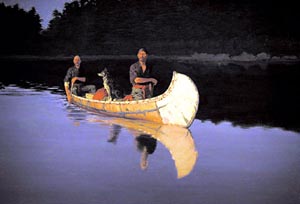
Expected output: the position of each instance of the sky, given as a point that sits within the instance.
(44, 8)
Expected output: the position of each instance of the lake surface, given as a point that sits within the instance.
(243, 147)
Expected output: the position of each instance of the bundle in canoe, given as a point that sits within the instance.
(178, 105)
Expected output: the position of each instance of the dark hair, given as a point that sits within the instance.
(143, 49)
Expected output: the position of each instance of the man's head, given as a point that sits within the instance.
(142, 54)
(77, 61)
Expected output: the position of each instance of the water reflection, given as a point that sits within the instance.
(178, 141)
(114, 133)
(144, 143)
(76, 114)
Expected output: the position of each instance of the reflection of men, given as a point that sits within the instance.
(76, 76)
(140, 77)
(147, 145)
(114, 133)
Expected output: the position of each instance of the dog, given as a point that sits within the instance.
(110, 86)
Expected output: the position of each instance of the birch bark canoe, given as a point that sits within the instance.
(178, 105)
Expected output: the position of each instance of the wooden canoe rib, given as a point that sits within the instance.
(178, 105)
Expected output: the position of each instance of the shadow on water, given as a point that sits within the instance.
(244, 95)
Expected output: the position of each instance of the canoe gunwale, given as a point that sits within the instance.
(153, 99)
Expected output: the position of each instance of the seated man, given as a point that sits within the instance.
(77, 79)
(140, 77)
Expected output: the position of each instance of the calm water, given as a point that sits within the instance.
(236, 151)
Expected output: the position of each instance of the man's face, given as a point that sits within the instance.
(142, 56)
(77, 61)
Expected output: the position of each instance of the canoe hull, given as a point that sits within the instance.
(177, 106)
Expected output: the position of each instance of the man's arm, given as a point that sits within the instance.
(141, 80)
(82, 79)
(134, 78)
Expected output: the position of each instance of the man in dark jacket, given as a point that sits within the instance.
(140, 77)
(76, 79)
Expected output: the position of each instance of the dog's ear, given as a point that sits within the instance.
(105, 69)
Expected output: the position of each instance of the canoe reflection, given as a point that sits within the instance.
(177, 140)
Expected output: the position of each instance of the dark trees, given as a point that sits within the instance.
(20, 30)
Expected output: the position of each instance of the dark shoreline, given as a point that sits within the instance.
(221, 59)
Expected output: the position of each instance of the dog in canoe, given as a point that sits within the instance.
(113, 93)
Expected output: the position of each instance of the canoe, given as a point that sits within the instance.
(178, 105)
(177, 140)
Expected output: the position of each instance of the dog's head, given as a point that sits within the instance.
(104, 73)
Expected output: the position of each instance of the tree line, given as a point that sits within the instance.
(20, 30)
(96, 27)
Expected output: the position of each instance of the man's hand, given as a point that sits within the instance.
(154, 81)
